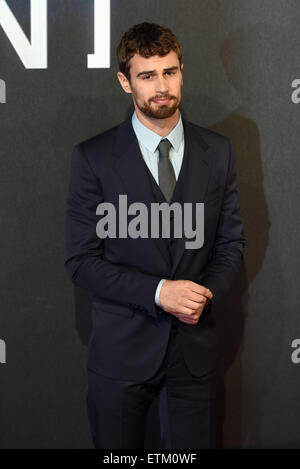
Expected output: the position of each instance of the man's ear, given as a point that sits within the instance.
(124, 82)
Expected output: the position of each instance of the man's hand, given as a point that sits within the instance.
(184, 299)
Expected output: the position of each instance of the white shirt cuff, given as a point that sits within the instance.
(158, 292)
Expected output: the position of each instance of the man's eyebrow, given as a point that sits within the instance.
(148, 72)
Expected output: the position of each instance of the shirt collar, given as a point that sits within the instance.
(151, 139)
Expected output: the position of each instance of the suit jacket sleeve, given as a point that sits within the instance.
(84, 249)
(228, 249)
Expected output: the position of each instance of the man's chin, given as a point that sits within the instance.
(163, 112)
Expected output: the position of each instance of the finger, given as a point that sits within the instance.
(194, 296)
(202, 290)
(183, 310)
(188, 321)
(195, 304)
(183, 317)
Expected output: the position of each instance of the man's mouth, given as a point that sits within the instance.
(162, 100)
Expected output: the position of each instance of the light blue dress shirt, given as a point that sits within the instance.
(148, 142)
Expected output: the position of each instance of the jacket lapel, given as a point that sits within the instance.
(131, 167)
(196, 180)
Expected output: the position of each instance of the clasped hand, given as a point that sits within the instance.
(184, 299)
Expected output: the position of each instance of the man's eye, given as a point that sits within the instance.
(145, 77)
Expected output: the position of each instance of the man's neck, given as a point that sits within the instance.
(160, 126)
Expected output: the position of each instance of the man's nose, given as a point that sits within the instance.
(162, 85)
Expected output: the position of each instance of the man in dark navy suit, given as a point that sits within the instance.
(153, 310)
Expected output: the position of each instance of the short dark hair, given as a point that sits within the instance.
(146, 39)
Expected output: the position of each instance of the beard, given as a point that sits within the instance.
(158, 111)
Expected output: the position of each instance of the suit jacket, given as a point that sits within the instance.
(130, 332)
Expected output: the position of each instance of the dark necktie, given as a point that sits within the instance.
(166, 175)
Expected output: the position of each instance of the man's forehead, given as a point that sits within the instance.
(155, 61)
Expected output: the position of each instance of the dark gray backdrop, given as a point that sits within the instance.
(240, 58)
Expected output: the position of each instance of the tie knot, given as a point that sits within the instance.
(164, 147)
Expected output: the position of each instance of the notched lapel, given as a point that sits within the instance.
(199, 164)
(131, 167)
